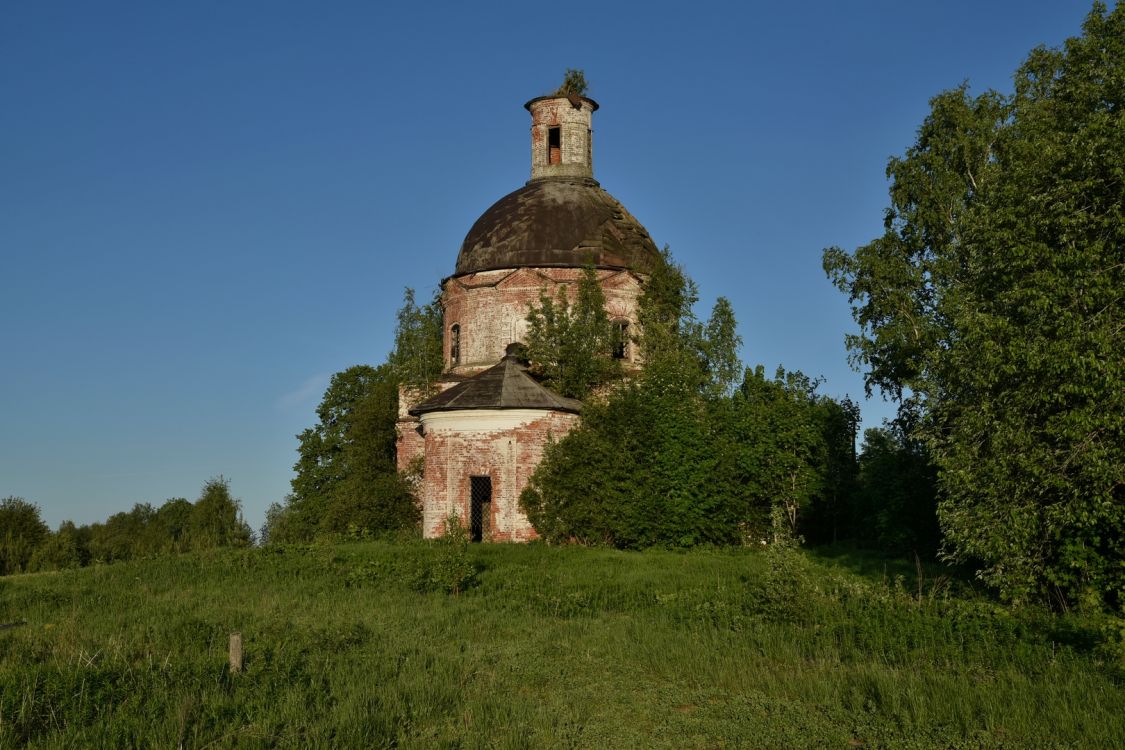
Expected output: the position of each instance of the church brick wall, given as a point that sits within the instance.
(491, 307)
(409, 444)
(576, 136)
(505, 445)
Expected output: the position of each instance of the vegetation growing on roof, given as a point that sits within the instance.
(574, 83)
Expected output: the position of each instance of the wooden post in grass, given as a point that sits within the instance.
(235, 653)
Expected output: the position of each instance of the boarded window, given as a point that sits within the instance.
(554, 145)
(480, 511)
(455, 344)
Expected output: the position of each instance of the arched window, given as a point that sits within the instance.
(620, 339)
(455, 344)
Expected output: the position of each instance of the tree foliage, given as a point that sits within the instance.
(634, 474)
(993, 303)
(670, 336)
(66, 548)
(215, 520)
(830, 516)
(720, 345)
(123, 536)
(21, 531)
(347, 478)
(895, 503)
(346, 473)
(677, 456)
(574, 83)
(570, 346)
(775, 433)
(417, 359)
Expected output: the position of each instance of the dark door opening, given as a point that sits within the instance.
(480, 510)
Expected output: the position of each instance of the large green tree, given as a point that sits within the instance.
(346, 474)
(635, 473)
(993, 303)
(347, 479)
(773, 444)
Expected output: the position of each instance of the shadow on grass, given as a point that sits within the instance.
(1081, 633)
(878, 566)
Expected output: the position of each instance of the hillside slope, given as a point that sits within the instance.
(357, 646)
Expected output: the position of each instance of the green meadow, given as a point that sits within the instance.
(364, 645)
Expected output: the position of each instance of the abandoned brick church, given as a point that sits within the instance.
(482, 435)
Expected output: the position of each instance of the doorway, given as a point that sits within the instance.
(480, 509)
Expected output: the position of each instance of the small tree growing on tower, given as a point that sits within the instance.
(574, 83)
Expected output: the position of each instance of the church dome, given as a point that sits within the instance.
(557, 221)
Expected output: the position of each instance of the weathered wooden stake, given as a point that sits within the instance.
(235, 652)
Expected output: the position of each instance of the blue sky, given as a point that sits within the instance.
(208, 208)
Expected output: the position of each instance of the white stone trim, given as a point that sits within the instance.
(480, 420)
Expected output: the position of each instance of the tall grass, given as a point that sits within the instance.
(553, 647)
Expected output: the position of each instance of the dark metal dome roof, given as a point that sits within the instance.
(557, 222)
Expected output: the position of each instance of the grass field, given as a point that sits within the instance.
(357, 646)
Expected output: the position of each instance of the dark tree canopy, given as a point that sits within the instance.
(993, 304)
(895, 507)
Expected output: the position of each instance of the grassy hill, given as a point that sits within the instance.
(357, 646)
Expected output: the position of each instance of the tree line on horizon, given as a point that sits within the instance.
(27, 544)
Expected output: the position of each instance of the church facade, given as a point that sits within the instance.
(481, 436)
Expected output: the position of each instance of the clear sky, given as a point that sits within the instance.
(207, 208)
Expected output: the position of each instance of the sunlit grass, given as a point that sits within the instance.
(554, 647)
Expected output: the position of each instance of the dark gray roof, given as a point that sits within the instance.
(503, 386)
(557, 221)
(574, 101)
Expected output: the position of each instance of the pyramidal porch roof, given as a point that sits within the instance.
(505, 385)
